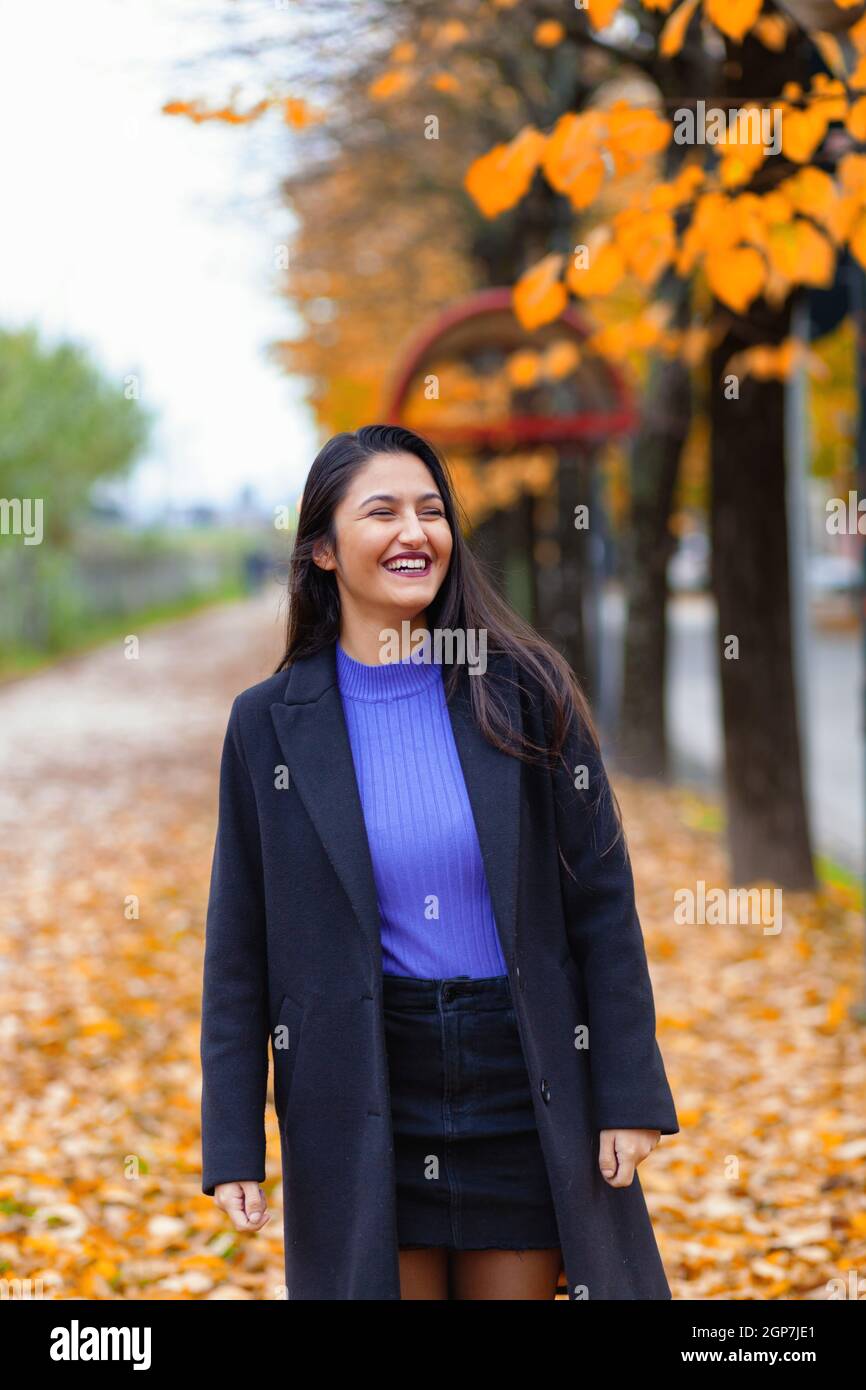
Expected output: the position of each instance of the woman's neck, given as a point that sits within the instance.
(380, 644)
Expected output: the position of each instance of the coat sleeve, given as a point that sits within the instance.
(629, 1085)
(235, 1021)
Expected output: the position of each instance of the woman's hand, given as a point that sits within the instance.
(621, 1150)
(245, 1203)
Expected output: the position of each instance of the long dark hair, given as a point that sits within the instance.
(466, 600)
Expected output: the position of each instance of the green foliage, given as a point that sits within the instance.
(107, 581)
(63, 426)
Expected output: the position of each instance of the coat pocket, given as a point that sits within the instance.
(285, 1042)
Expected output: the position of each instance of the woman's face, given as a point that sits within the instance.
(391, 509)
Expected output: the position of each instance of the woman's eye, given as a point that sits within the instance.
(386, 511)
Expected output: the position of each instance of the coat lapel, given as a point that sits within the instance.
(312, 733)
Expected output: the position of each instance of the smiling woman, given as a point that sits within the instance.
(403, 533)
(438, 916)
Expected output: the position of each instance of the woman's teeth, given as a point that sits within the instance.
(409, 566)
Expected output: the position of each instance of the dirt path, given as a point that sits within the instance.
(108, 794)
(107, 821)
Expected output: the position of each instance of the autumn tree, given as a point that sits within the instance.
(715, 238)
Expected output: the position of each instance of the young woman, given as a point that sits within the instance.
(421, 894)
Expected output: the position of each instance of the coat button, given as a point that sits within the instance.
(545, 1091)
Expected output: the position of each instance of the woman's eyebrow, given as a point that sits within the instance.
(389, 497)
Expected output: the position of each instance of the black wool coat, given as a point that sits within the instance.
(293, 955)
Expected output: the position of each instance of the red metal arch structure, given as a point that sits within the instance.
(486, 319)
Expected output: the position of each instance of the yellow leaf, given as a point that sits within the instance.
(712, 226)
(601, 12)
(689, 1118)
(451, 32)
(604, 270)
(857, 240)
(561, 358)
(296, 113)
(549, 33)
(444, 82)
(803, 131)
(634, 133)
(837, 1009)
(813, 191)
(772, 31)
(775, 206)
(647, 242)
(831, 51)
(539, 295)
(571, 160)
(736, 276)
(680, 190)
(674, 33)
(739, 162)
(388, 85)
(523, 368)
(733, 17)
(852, 172)
(500, 178)
(855, 121)
(801, 253)
(831, 95)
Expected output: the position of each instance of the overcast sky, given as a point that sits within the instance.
(151, 239)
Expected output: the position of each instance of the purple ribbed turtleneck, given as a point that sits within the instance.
(436, 915)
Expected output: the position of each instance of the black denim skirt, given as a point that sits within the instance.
(470, 1168)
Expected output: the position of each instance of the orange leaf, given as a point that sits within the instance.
(855, 121)
(857, 240)
(803, 131)
(296, 113)
(523, 368)
(560, 358)
(674, 33)
(733, 17)
(444, 82)
(633, 134)
(736, 276)
(601, 12)
(389, 85)
(801, 253)
(500, 178)
(647, 242)
(451, 32)
(772, 31)
(571, 160)
(539, 295)
(549, 33)
(604, 271)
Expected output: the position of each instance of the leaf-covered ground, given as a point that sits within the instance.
(107, 817)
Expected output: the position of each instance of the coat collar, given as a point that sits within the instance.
(311, 728)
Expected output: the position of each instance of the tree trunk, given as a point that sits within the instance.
(768, 831)
(654, 468)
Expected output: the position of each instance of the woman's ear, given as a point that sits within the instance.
(323, 556)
